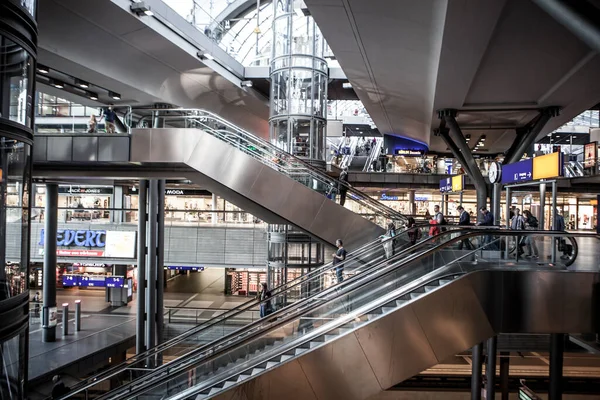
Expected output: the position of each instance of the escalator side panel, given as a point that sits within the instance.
(434, 327)
(260, 184)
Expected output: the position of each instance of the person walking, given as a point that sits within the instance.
(464, 219)
(342, 186)
(517, 223)
(531, 223)
(414, 233)
(338, 260)
(109, 119)
(559, 225)
(264, 297)
(439, 217)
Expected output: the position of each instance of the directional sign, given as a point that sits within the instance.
(446, 185)
(521, 171)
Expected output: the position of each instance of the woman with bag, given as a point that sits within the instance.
(264, 297)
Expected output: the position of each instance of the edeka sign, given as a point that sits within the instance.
(548, 166)
(521, 171)
(67, 237)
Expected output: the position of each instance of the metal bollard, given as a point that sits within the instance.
(65, 319)
(77, 315)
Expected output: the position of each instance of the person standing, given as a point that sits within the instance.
(531, 223)
(109, 119)
(92, 124)
(464, 219)
(414, 233)
(342, 186)
(264, 297)
(338, 260)
(439, 217)
(559, 225)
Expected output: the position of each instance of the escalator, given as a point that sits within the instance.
(360, 261)
(379, 329)
(257, 176)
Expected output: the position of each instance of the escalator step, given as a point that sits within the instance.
(228, 384)
(300, 350)
(444, 281)
(429, 288)
(271, 364)
(285, 357)
(214, 390)
(387, 309)
(256, 371)
(372, 316)
(330, 337)
(400, 303)
(314, 344)
(242, 377)
(415, 295)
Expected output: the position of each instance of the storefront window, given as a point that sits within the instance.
(14, 216)
(16, 69)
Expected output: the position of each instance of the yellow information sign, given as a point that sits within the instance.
(458, 182)
(547, 166)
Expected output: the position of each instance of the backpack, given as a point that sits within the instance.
(533, 222)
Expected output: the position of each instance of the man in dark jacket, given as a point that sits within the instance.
(342, 189)
(464, 220)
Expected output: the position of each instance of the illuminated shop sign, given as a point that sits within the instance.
(385, 197)
(184, 268)
(84, 190)
(93, 281)
(410, 153)
(590, 154)
(68, 237)
(187, 192)
(446, 185)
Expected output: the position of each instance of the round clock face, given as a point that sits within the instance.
(494, 172)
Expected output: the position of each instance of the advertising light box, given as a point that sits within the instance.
(548, 166)
(458, 183)
(590, 154)
(120, 244)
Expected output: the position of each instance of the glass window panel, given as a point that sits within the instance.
(16, 68)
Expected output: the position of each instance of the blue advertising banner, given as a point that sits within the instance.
(446, 185)
(521, 171)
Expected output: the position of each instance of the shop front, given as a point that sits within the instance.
(76, 203)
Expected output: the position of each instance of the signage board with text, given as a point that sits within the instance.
(93, 243)
(458, 183)
(93, 281)
(446, 185)
(521, 171)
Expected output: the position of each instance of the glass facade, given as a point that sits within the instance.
(299, 78)
(17, 85)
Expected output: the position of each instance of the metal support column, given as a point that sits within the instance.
(151, 265)
(504, 369)
(557, 349)
(490, 368)
(214, 209)
(496, 201)
(141, 266)
(542, 216)
(473, 170)
(49, 272)
(412, 207)
(160, 261)
(476, 365)
(553, 214)
(507, 214)
(515, 153)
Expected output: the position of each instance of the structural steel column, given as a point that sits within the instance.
(516, 153)
(490, 369)
(504, 369)
(476, 365)
(160, 261)
(141, 266)
(576, 16)
(412, 207)
(496, 202)
(542, 216)
(473, 170)
(49, 273)
(151, 265)
(557, 349)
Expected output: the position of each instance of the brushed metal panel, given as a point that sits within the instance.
(140, 145)
(237, 393)
(452, 319)
(40, 148)
(340, 370)
(361, 232)
(331, 223)
(396, 347)
(210, 156)
(302, 209)
(285, 382)
(272, 189)
(242, 172)
(60, 148)
(174, 144)
(85, 148)
(580, 288)
(113, 149)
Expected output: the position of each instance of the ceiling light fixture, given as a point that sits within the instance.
(140, 8)
(347, 85)
(246, 83)
(82, 84)
(92, 95)
(56, 84)
(113, 95)
(43, 69)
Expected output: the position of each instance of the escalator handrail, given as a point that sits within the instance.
(315, 171)
(244, 307)
(353, 284)
(470, 231)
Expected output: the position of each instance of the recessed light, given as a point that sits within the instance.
(43, 69)
(82, 84)
(114, 95)
(56, 84)
(92, 95)
(347, 85)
